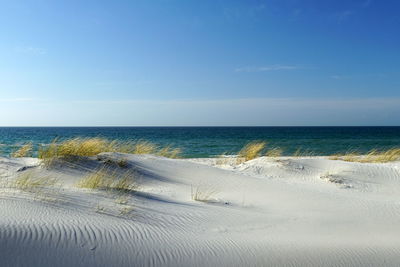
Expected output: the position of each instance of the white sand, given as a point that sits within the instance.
(266, 212)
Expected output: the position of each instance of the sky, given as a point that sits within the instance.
(199, 62)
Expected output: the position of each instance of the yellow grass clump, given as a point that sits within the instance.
(252, 150)
(144, 147)
(75, 147)
(108, 180)
(29, 182)
(87, 147)
(23, 151)
(373, 156)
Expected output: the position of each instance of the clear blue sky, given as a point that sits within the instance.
(208, 62)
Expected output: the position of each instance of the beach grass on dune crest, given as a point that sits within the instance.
(92, 146)
(252, 150)
(23, 151)
(373, 156)
(109, 180)
(87, 147)
(256, 149)
(169, 152)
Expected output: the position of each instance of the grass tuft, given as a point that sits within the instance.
(252, 150)
(169, 152)
(75, 147)
(87, 147)
(29, 182)
(23, 151)
(94, 180)
(109, 180)
(144, 147)
(373, 156)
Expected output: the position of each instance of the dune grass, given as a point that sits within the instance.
(28, 181)
(43, 187)
(252, 150)
(256, 149)
(78, 147)
(351, 156)
(373, 156)
(87, 147)
(169, 152)
(142, 147)
(23, 151)
(106, 179)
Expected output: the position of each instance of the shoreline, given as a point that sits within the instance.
(210, 142)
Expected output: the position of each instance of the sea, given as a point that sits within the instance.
(213, 141)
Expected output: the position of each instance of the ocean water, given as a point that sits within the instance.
(212, 141)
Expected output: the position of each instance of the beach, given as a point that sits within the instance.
(205, 133)
(268, 211)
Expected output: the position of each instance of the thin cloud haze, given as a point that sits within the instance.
(30, 50)
(213, 112)
(268, 68)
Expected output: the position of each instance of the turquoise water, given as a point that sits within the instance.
(212, 141)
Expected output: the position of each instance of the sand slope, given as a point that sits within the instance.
(265, 212)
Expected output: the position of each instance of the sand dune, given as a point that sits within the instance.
(265, 212)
